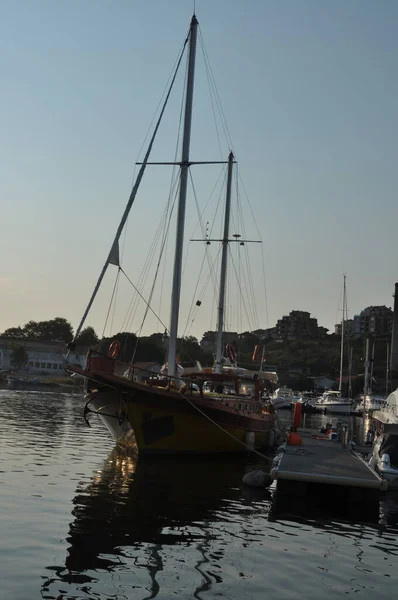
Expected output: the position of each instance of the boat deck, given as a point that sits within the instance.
(327, 462)
(323, 478)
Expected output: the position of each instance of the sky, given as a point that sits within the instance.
(309, 92)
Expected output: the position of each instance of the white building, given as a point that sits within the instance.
(44, 358)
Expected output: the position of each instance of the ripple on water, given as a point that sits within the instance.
(80, 520)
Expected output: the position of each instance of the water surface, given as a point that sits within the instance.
(80, 521)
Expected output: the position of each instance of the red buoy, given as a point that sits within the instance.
(297, 415)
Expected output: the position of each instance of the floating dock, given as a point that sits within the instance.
(325, 473)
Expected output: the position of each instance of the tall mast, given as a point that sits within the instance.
(365, 384)
(223, 273)
(175, 298)
(371, 368)
(342, 340)
(350, 373)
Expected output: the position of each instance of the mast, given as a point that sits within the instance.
(388, 370)
(176, 292)
(371, 368)
(365, 384)
(342, 339)
(223, 273)
(350, 374)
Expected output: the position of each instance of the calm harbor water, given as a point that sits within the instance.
(79, 520)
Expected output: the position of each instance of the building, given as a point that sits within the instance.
(209, 340)
(265, 334)
(373, 320)
(298, 325)
(45, 358)
(348, 327)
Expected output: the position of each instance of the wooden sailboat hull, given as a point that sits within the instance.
(160, 421)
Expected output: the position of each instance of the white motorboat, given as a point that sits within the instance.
(282, 398)
(370, 404)
(333, 402)
(384, 455)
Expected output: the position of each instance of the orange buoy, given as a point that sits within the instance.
(294, 439)
(297, 415)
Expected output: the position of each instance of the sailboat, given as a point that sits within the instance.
(332, 401)
(177, 413)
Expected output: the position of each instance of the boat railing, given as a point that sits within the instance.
(98, 362)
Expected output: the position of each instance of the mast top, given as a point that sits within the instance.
(194, 20)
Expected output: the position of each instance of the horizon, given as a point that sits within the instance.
(313, 118)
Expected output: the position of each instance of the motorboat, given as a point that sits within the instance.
(384, 454)
(282, 398)
(332, 402)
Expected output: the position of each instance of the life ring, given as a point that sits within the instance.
(231, 353)
(114, 349)
(255, 353)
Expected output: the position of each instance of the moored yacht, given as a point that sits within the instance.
(332, 402)
(282, 398)
(384, 455)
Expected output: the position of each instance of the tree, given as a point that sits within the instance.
(58, 329)
(19, 357)
(87, 337)
(14, 332)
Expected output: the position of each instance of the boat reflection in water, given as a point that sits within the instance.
(137, 513)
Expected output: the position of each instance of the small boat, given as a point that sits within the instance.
(282, 398)
(208, 410)
(372, 403)
(384, 453)
(332, 402)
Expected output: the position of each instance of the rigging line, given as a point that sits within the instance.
(217, 96)
(143, 299)
(177, 61)
(194, 294)
(114, 304)
(250, 207)
(203, 231)
(251, 287)
(240, 290)
(174, 181)
(130, 201)
(211, 100)
(110, 304)
(166, 219)
(154, 280)
(265, 286)
(133, 306)
(210, 197)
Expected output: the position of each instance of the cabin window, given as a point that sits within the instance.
(42, 365)
(31, 364)
(49, 366)
(37, 365)
(55, 366)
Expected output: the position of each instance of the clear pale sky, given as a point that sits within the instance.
(309, 90)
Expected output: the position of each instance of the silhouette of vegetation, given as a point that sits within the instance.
(58, 329)
(87, 337)
(19, 357)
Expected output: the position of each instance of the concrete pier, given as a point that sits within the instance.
(321, 473)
